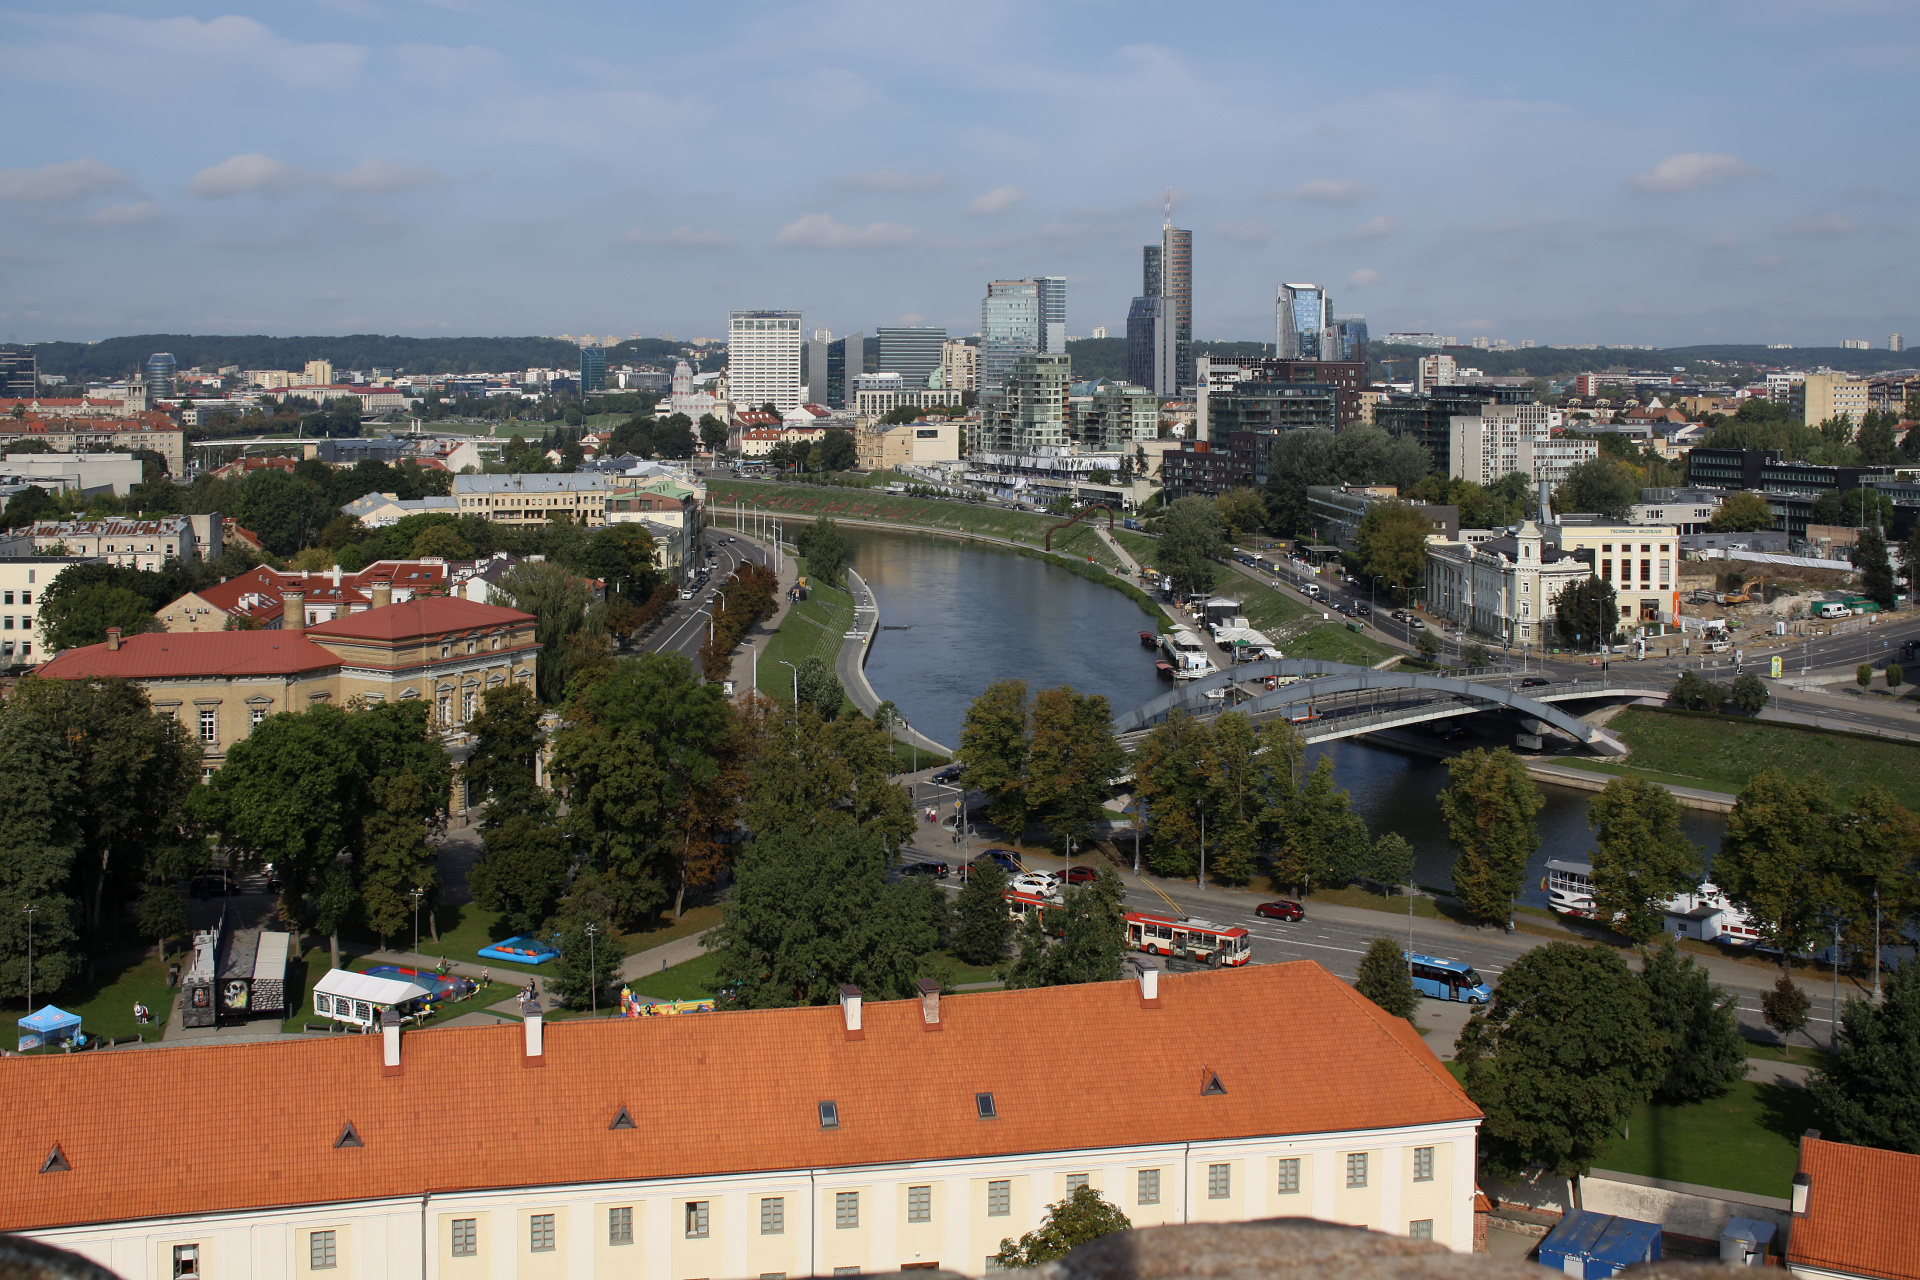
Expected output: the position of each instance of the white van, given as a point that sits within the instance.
(1832, 609)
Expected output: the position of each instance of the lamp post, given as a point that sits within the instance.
(702, 613)
(30, 908)
(416, 892)
(796, 683)
(593, 967)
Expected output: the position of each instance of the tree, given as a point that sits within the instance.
(1393, 543)
(1560, 1060)
(836, 451)
(1192, 537)
(500, 771)
(522, 870)
(1488, 805)
(82, 617)
(820, 687)
(812, 911)
(1587, 613)
(995, 741)
(562, 605)
(1296, 461)
(985, 930)
(1776, 860)
(622, 556)
(287, 513)
(1742, 513)
(1896, 676)
(444, 541)
(1749, 693)
(587, 941)
(1322, 841)
(673, 438)
(1070, 1223)
(333, 903)
(1239, 800)
(1869, 1091)
(1475, 655)
(1705, 1054)
(1909, 550)
(1391, 861)
(1241, 512)
(713, 432)
(1876, 572)
(824, 547)
(409, 778)
(1385, 981)
(1072, 760)
(1785, 1006)
(1691, 692)
(1429, 647)
(1640, 856)
(1602, 485)
(1863, 674)
(1852, 508)
(1169, 768)
(162, 915)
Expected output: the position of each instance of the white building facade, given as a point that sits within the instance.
(763, 358)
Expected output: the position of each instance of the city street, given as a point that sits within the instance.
(684, 629)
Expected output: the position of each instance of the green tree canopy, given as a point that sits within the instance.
(1192, 538)
(1393, 543)
(1587, 614)
(1385, 981)
(1602, 485)
(984, 930)
(1705, 1053)
(1091, 927)
(1082, 1216)
(1640, 856)
(1742, 513)
(502, 768)
(819, 686)
(1072, 760)
(1776, 860)
(563, 606)
(82, 616)
(1876, 569)
(522, 871)
(1241, 512)
(1869, 1092)
(823, 545)
(995, 741)
(1560, 1060)
(1488, 806)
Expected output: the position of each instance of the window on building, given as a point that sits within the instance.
(1075, 1181)
(186, 1260)
(620, 1225)
(255, 715)
(999, 1198)
(919, 1204)
(1420, 1229)
(846, 1271)
(1423, 1164)
(540, 1233)
(446, 649)
(846, 1210)
(1289, 1176)
(1357, 1169)
(1147, 1187)
(209, 725)
(1219, 1181)
(467, 707)
(773, 1215)
(321, 1251)
(466, 1237)
(696, 1219)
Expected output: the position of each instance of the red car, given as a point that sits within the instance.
(1281, 910)
(1082, 875)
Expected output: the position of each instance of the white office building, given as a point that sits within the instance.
(1504, 438)
(763, 358)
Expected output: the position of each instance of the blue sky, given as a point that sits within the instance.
(1676, 172)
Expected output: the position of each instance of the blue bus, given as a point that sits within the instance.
(1447, 979)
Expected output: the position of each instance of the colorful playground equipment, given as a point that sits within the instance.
(632, 1006)
(519, 950)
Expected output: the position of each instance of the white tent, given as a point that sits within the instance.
(360, 997)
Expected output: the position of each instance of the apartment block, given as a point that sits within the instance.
(1829, 395)
(535, 499)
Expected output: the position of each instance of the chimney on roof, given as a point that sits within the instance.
(113, 639)
(850, 1010)
(382, 594)
(930, 1002)
(530, 1019)
(1148, 973)
(389, 1043)
(1802, 1189)
(336, 575)
(294, 610)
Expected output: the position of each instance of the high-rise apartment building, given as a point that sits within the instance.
(19, 373)
(1435, 371)
(1153, 348)
(763, 358)
(1009, 329)
(912, 351)
(1896, 342)
(1030, 413)
(1053, 314)
(1504, 438)
(1166, 273)
(318, 373)
(1304, 316)
(593, 369)
(959, 365)
(160, 373)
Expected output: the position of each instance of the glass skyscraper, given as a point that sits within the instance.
(1009, 329)
(1166, 274)
(1303, 321)
(160, 371)
(913, 352)
(19, 377)
(1053, 314)
(593, 369)
(1350, 338)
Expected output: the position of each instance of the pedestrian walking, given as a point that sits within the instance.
(486, 977)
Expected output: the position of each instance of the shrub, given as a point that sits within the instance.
(1864, 674)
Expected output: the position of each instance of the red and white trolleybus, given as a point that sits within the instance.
(1201, 940)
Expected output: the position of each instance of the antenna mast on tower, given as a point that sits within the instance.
(1169, 218)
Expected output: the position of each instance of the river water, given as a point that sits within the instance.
(956, 616)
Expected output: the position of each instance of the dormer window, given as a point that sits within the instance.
(446, 648)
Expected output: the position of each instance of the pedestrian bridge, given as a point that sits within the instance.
(1330, 700)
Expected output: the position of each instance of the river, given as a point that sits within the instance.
(956, 616)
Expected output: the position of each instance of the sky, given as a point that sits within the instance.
(1670, 172)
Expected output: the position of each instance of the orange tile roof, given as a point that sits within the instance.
(421, 616)
(212, 1128)
(1861, 1207)
(159, 655)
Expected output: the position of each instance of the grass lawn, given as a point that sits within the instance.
(1722, 754)
(1798, 1054)
(465, 929)
(814, 627)
(1746, 1140)
(105, 1005)
(1268, 610)
(1426, 908)
(1142, 548)
(1332, 642)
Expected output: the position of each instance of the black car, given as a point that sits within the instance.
(938, 870)
(1534, 682)
(1364, 610)
(948, 775)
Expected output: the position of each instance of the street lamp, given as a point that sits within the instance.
(416, 918)
(593, 967)
(702, 613)
(796, 682)
(30, 908)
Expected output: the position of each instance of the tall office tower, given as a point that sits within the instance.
(815, 372)
(913, 352)
(19, 373)
(160, 370)
(763, 358)
(1349, 339)
(1053, 314)
(1176, 286)
(1152, 278)
(1301, 331)
(593, 369)
(1031, 409)
(846, 360)
(1153, 347)
(1009, 329)
(959, 365)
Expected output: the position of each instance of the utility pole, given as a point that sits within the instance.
(1834, 1008)
(593, 966)
(416, 918)
(30, 908)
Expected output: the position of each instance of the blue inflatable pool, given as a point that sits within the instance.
(519, 951)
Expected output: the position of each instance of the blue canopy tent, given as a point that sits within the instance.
(48, 1026)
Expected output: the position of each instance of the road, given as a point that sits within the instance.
(684, 630)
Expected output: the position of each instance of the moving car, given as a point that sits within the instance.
(938, 870)
(1004, 857)
(1284, 909)
(949, 774)
(1040, 883)
(1082, 875)
(1534, 682)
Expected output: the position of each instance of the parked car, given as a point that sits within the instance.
(1082, 875)
(1004, 857)
(1534, 682)
(1399, 615)
(1414, 624)
(938, 870)
(1040, 882)
(949, 774)
(686, 593)
(1364, 610)
(1284, 909)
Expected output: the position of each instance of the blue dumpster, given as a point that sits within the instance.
(1593, 1245)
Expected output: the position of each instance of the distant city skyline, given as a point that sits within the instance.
(356, 168)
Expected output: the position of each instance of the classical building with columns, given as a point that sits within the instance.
(834, 1140)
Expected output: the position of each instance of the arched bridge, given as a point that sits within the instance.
(1334, 700)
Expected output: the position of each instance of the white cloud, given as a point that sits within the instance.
(824, 231)
(1721, 240)
(687, 237)
(911, 317)
(1362, 278)
(1375, 228)
(61, 183)
(996, 201)
(1689, 171)
(253, 172)
(1331, 191)
(115, 52)
(1821, 226)
(1248, 231)
(125, 215)
(891, 180)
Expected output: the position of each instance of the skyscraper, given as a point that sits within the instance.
(1153, 348)
(1053, 314)
(1009, 329)
(1176, 286)
(1031, 409)
(1349, 339)
(763, 358)
(160, 371)
(1166, 273)
(912, 351)
(1303, 319)
(593, 369)
(19, 376)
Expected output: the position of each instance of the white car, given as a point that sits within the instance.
(1041, 883)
